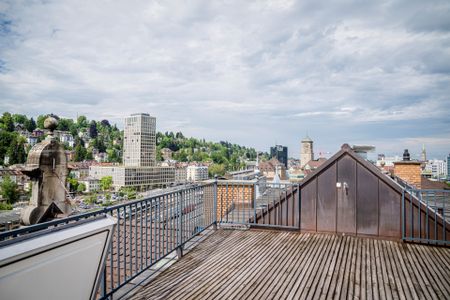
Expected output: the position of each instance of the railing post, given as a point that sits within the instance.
(215, 204)
(403, 214)
(180, 226)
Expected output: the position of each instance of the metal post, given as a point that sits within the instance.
(215, 204)
(403, 214)
(180, 226)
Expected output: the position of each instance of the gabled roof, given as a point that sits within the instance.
(347, 150)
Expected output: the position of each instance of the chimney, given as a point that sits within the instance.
(408, 170)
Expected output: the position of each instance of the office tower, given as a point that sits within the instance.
(280, 153)
(139, 146)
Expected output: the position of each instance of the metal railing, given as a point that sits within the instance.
(255, 204)
(146, 232)
(426, 216)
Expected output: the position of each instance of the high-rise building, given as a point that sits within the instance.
(448, 166)
(280, 153)
(139, 157)
(306, 151)
(139, 141)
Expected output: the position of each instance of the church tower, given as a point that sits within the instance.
(306, 152)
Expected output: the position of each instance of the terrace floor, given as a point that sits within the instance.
(263, 264)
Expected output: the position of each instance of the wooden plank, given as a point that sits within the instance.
(317, 283)
(352, 272)
(331, 289)
(329, 274)
(306, 265)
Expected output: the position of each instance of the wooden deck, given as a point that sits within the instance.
(259, 264)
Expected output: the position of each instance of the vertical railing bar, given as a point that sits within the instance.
(152, 201)
(242, 204)
(254, 202)
(420, 214)
(227, 202)
(111, 250)
(171, 219)
(118, 246)
(444, 223)
(125, 217)
(146, 233)
(166, 223)
(165, 226)
(412, 213)
(141, 234)
(135, 239)
(426, 220)
(435, 216)
(158, 229)
(131, 239)
(403, 214)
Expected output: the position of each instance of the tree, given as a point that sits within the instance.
(40, 121)
(64, 124)
(16, 151)
(30, 125)
(93, 129)
(106, 183)
(82, 122)
(105, 123)
(216, 169)
(80, 153)
(9, 190)
(81, 187)
(7, 122)
(21, 119)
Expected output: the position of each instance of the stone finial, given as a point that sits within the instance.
(50, 123)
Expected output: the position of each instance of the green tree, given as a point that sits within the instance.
(7, 122)
(21, 119)
(82, 122)
(81, 187)
(30, 125)
(16, 151)
(40, 121)
(80, 153)
(106, 183)
(93, 129)
(216, 169)
(65, 124)
(9, 190)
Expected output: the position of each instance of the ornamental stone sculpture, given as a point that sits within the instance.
(47, 168)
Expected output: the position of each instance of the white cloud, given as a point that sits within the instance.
(249, 72)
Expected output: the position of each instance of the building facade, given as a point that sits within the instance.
(139, 145)
(306, 151)
(197, 173)
(280, 153)
(139, 168)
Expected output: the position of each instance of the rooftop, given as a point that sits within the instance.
(267, 264)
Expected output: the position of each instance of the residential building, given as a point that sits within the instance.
(92, 184)
(272, 166)
(307, 151)
(197, 173)
(280, 153)
(436, 168)
(180, 174)
(166, 154)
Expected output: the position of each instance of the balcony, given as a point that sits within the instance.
(342, 233)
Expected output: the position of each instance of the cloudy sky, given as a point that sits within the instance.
(250, 72)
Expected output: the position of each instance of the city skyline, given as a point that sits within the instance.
(264, 74)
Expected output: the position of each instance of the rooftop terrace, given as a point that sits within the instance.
(347, 231)
(267, 264)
